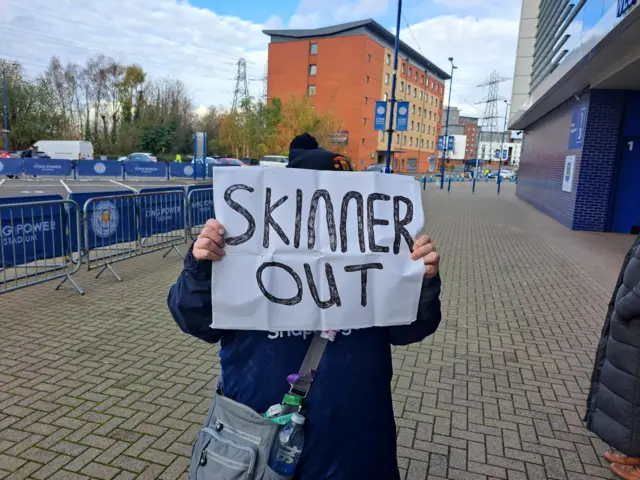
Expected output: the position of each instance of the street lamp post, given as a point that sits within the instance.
(446, 128)
(506, 113)
(396, 49)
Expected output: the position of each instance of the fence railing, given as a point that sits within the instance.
(37, 239)
(46, 238)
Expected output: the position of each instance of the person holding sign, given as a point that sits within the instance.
(349, 432)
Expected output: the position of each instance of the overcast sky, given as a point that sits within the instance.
(200, 41)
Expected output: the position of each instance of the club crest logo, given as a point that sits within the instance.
(105, 219)
(99, 168)
(381, 110)
(188, 170)
(1, 166)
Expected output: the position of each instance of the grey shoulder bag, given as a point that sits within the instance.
(236, 440)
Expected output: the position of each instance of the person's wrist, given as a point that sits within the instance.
(200, 268)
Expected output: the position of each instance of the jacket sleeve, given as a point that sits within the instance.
(428, 318)
(190, 300)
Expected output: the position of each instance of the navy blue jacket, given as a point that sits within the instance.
(350, 432)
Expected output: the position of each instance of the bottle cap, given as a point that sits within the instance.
(297, 419)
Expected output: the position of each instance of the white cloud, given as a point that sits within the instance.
(165, 37)
(314, 14)
(478, 46)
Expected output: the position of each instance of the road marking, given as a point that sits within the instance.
(65, 186)
(2, 181)
(124, 185)
(38, 191)
(25, 191)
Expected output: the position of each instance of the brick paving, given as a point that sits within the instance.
(105, 386)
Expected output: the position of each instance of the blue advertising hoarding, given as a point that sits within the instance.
(402, 121)
(10, 166)
(145, 169)
(99, 168)
(186, 170)
(110, 221)
(47, 166)
(201, 204)
(578, 126)
(32, 233)
(380, 119)
(163, 212)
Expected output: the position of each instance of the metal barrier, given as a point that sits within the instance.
(37, 239)
(199, 210)
(124, 226)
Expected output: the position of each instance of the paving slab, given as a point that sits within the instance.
(106, 386)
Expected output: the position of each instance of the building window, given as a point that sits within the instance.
(431, 100)
(313, 107)
(413, 109)
(419, 110)
(397, 138)
(431, 83)
(422, 79)
(423, 128)
(311, 91)
(421, 142)
(408, 89)
(436, 101)
(412, 125)
(388, 59)
(363, 140)
(386, 79)
(312, 70)
(366, 100)
(430, 115)
(411, 141)
(382, 136)
(367, 79)
(404, 140)
(418, 126)
(402, 86)
(421, 94)
(313, 49)
(416, 76)
(404, 67)
(415, 93)
(364, 122)
(385, 97)
(368, 57)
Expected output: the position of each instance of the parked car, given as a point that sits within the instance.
(378, 167)
(250, 161)
(505, 174)
(138, 157)
(230, 162)
(66, 149)
(5, 154)
(274, 161)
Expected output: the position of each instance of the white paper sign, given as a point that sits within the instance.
(314, 250)
(567, 178)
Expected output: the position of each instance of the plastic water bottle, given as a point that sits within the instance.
(286, 452)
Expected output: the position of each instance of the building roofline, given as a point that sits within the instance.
(370, 24)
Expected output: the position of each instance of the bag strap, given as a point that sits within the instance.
(302, 383)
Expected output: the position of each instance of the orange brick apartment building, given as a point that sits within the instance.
(345, 69)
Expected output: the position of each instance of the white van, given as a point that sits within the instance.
(66, 149)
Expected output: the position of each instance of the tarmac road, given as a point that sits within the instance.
(27, 187)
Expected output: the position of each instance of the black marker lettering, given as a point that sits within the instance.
(343, 219)
(296, 236)
(240, 239)
(334, 296)
(282, 301)
(331, 222)
(363, 277)
(269, 221)
(398, 224)
(373, 221)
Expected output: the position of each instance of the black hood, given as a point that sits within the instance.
(318, 159)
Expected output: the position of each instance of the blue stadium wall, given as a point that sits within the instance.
(589, 205)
